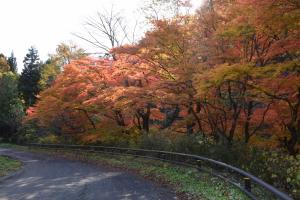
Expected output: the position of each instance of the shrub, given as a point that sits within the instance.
(278, 169)
(190, 144)
(27, 133)
(111, 136)
(49, 139)
(155, 141)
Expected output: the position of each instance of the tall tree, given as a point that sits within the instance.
(66, 52)
(11, 106)
(12, 62)
(30, 77)
(108, 25)
(165, 9)
(64, 55)
(49, 71)
(107, 30)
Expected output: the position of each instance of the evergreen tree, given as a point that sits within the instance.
(30, 77)
(12, 62)
(11, 106)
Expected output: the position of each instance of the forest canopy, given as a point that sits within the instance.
(230, 72)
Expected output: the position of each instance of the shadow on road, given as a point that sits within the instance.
(50, 178)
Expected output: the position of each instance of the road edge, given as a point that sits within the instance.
(13, 174)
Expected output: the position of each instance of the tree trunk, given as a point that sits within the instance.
(247, 123)
(292, 142)
(190, 125)
(119, 118)
(145, 117)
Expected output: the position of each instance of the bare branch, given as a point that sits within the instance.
(107, 30)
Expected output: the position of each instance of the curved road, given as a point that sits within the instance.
(49, 178)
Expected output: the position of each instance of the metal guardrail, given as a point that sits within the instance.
(183, 159)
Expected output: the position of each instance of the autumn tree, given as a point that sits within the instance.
(4, 66)
(268, 33)
(171, 51)
(65, 53)
(107, 30)
(281, 84)
(225, 72)
(49, 72)
(155, 10)
(230, 107)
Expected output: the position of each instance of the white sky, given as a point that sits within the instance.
(46, 23)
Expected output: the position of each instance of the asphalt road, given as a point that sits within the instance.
(49, 178)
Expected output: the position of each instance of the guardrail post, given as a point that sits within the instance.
(247, 184)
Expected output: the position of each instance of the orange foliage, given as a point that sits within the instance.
(230, 71)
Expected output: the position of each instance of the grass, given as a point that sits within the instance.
(8, 165)
(188, 183)
(8, 145)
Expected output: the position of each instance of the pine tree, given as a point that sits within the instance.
(12, 62)
(30, 77)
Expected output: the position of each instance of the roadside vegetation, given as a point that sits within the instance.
(8, 165)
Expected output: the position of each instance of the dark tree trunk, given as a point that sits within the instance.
(146, 123)
(171, 115)
(293, 141)
(190, 125)
(138, 124)
(294, 127)
(247, 123)
(145, 115)
(119, 118)
(87, 116)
